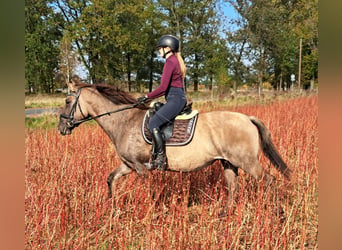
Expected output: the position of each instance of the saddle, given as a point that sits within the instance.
(178, 132)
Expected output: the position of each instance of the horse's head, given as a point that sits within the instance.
(71, 115)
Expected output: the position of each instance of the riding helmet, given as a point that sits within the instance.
(169, 41)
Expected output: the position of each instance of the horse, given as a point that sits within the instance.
(230, 137)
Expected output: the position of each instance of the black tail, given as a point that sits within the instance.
(269, 149)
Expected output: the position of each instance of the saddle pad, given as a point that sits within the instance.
(183, 131)
(187, 116)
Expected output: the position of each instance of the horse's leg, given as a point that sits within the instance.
(232, 183)
(254, 168)
(122, 170)
(260, 174)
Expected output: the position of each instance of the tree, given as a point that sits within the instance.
(273, 30)
(264, 23)
(238, 52)
(108, 35)
(202, 34)
(80, 23)
(115, 40)
(304, 19)
(41, 46)
(68, 57)
(195, 23)
(150, 68)
(216, 64)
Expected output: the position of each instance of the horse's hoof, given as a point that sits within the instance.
(149, 166)
(279, 212)
(223, 214)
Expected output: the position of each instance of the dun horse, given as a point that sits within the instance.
(230, 137)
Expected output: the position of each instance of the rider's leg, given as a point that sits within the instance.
(174, 105)
(160, 161)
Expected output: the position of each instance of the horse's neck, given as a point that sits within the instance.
(98, 105)
(118, 123)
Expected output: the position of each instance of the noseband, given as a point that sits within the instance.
(71, 123)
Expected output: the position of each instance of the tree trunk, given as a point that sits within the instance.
(150, 85)
(129, 72)
(211, 82)
(260, 84)
(195, 83)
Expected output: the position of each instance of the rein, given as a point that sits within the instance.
(71, 123)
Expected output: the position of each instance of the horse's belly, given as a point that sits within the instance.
(188, 163)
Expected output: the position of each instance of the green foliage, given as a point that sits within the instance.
(49, 121)
(42, 35)
(115, 41)
(41, 122)
(203, 47)
(269, 37)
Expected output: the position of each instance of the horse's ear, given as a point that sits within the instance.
(71, 86)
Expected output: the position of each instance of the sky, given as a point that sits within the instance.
(228, 10)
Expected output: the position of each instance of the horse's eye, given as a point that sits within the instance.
(67, 101)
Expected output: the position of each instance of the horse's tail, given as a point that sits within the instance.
(269, 149)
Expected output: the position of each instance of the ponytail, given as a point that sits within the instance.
(181, 64)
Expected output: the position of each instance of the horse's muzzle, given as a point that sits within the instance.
(64, 130)
(65, 126)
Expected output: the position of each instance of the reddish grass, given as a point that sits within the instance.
(66, 202)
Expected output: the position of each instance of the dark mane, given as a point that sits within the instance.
(112, 93)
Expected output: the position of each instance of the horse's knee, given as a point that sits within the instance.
(122, 170)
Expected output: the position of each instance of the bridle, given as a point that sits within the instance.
(71, 123)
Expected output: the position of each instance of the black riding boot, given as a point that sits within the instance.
(158, 154)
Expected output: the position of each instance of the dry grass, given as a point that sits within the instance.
(66, 191)
(44, 100)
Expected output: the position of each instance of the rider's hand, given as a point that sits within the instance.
(142, 99)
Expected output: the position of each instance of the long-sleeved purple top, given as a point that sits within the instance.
(171, 76)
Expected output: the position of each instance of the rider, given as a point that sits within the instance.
(171, 86)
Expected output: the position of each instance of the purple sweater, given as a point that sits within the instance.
(171, 77)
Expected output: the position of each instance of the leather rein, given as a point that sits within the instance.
(71, 123)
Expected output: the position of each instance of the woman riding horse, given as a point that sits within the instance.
(171, 86)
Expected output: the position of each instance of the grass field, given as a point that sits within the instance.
(66, 202)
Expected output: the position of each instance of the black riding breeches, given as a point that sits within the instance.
(175, 103)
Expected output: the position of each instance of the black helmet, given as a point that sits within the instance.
(169, 41)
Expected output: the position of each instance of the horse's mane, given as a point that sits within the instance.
(112, 93)
(115, 94)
